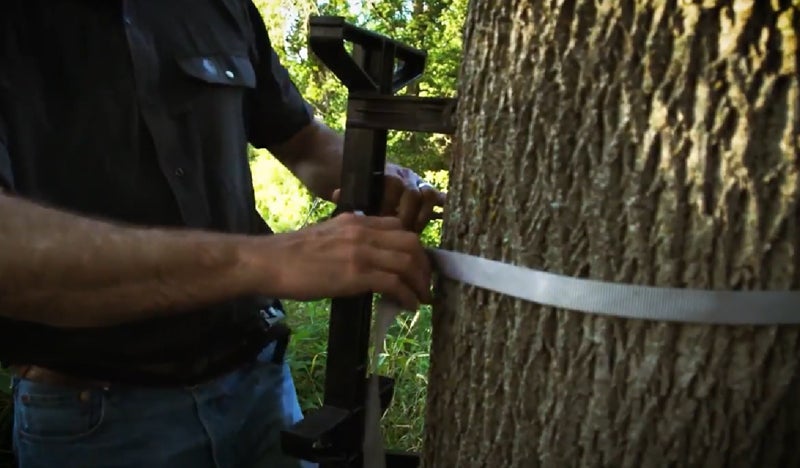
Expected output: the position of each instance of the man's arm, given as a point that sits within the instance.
(314, 155)
(65, 270)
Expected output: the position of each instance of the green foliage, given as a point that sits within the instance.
(433, 233)
(280, 197)
(432, 25)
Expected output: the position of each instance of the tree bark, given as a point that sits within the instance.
(647, 142)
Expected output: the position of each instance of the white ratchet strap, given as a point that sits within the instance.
(589, 296)
(622, 300)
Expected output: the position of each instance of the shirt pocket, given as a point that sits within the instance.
(57, 414)
(227, 70)
(211, 83)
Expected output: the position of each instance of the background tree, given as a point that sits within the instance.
(648, 142)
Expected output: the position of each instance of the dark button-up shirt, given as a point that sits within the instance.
(141, 111)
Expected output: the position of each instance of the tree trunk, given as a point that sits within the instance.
(647, 142)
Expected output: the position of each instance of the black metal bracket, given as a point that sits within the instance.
(409, 113)
(377, 68)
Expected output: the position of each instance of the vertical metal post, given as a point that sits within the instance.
(333, 434)
(362, 190)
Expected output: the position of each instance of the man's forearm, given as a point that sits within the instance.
(314, 155)
(65, 270)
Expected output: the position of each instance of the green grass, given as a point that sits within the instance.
(406, 360)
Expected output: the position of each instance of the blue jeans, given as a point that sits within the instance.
(233, 421)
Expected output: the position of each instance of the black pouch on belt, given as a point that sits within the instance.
(277, 330)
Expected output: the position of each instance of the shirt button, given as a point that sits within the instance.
(229, 74)
(179, 172)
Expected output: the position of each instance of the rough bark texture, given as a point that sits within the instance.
(648, 142)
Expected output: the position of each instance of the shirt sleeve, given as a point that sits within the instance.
(275, 109)
(6, 176)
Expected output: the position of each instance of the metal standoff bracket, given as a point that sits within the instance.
(376, 69)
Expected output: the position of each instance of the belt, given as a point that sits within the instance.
(277, 332)
(50, 377)
(274, 330)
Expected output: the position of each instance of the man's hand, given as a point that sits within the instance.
(407, 197)
(350, 255)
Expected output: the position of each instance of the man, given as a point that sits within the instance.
(136, 277)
